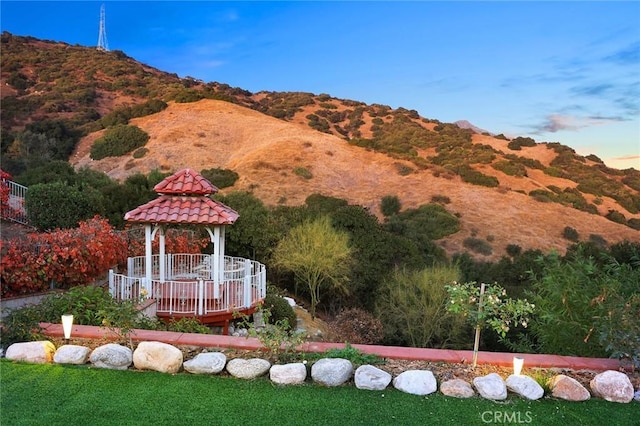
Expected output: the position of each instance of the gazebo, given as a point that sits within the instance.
(209, 287)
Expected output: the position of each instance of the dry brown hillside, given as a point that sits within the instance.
(265, 151)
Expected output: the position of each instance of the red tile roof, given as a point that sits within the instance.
(184, 198)
(185, 182)
(183, 209)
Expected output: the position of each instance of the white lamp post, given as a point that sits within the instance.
(67, 324)
(517, 365)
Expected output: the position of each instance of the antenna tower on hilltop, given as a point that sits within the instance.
(102, 37)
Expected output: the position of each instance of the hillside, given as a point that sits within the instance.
(264, 151)
(286, 146)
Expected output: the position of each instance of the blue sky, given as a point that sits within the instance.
(565, 72)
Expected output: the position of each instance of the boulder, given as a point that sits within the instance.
(613, 386)
(491, 386)
(288, 374)
(457, 388)
(568, 388)
(111, 356)
(636, 396)
(40, 352)
(72, 354)
(524, 386)
(332, 371)
(416, 382)
(369, 377)
(248, 368)
(206, 363)
(157, 356)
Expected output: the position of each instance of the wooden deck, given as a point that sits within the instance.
(186, 289)
(221, 307)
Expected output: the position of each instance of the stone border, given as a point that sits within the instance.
(501, 359)
(609, 385)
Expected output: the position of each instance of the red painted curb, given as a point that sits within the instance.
(394, 352)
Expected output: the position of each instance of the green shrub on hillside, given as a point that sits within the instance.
(478, 245)
(475, 177)
(303, 172)
(431, 221)
(140, 152)
(634, 223)
(118, 140)
(510, 168)
(517, 143)
(221, 178)
(570, 234)
(616, 216)
(390, 205)
(318, 123)
(122, 115)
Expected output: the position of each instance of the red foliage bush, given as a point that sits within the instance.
(7, 210)
(176, 241)
(68, 257)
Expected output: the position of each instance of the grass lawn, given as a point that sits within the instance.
(52, 394)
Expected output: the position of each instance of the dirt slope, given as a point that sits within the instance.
(265, 151)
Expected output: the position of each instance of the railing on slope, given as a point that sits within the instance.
(13, 195)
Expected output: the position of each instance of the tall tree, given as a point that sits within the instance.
(317, 254)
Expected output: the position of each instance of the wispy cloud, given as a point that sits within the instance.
(629, 55)
(558, 122)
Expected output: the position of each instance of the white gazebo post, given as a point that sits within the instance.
(218, 266)
(162, 259)
(147, 252)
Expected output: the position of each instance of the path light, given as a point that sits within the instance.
(517, 365)
(67, 323)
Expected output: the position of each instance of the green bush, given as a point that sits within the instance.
(431, 221)
(318, 123)
(118, 140)
(634, 223)
(221, 178)
(390, 205)
(478, 245)
(585, 305)
(356, 356)
(517, 143)
(58, 205)
(475, 177)
(513, 250)
(140, 152)
(303, 172)
(122, 115)
(187, 325)
(510, 168)
(280, 311)
(620, 330)
(89, 305)
(616, 216)
(412, 306)
(570, 234)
